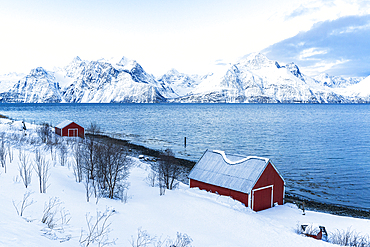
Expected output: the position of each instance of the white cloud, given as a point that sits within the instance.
(322, 66)
(309, 53)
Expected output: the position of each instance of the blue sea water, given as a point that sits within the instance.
(322, 150)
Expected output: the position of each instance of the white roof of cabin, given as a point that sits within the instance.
(64, 124)
(235, 172)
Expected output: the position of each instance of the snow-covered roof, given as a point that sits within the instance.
(235, 172)
(63, 124)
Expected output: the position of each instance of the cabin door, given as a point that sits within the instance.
(72, 132)
(262, 198)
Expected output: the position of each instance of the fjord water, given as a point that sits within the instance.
(322, 151)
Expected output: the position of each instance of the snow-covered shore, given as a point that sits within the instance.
(209, 219)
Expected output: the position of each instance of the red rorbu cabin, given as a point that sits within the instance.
(69, 128)
(254, 181)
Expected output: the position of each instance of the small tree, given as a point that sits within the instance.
(63, 150)
(55, 216)
(78, 166)
(98, 229)
(25, 168)
(112, 168)
(25, 203)
(167, 169)
(10, 152)
(41, 168)
(44, 132)
(3, 151)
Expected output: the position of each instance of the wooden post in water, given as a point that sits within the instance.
(185, 141)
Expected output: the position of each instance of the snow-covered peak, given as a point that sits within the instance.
(127, 64)
(293, 68)
(38, 72)
(336, 81)
(361, 89)
(172, 72)
(257, 61)
(77, 59)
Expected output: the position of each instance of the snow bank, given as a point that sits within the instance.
(209, 219)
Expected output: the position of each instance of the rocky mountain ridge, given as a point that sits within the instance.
(253, 79)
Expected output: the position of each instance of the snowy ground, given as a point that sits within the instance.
(209, 219)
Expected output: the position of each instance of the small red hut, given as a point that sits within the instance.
(254, 181)
(69, 128)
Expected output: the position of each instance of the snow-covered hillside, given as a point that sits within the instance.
(253, 79)
(208, 219)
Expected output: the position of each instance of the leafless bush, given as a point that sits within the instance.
(77, 166)
(44, 132)
(51, 144)
(3, 152)
(93, 129)
(63, 150)
(10, 153)
(167, 169)
(89, 161)
(98, 229)
(182, 240)
(349, 238)
(151, 179)
(112, 169)
(25, 203)
(42, 170)
(25, 168)
(143, 239)
(88, 187)
(162, 188)
(54, 215)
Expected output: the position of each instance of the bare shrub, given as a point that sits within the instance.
(182, 240)
(54, 215)
(112, 169)
(142, 239)
(349, 238)
(63, 150)
(25, 168)
(10, 153)
(22, 205)
(93, 129)
(3, 152)
(41, 168)
(167, 169)
(44, 132)
(77, 166)
(151, 179)
(89, 161)
(98, 229)
(88, 187)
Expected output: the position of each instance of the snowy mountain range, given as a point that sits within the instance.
(253, 79)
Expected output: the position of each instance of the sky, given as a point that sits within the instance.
(190, 36)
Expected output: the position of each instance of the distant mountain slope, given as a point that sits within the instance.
(37, 87)
(259, 80)
(253, 79)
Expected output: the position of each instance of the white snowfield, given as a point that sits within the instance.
(209, 219)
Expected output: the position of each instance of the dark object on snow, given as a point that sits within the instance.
(322, 235)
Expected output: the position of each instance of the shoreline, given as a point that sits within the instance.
(310, 204)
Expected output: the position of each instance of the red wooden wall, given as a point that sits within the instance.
(64, 131)
(239, 196)
(262, 198)
(269, 177)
